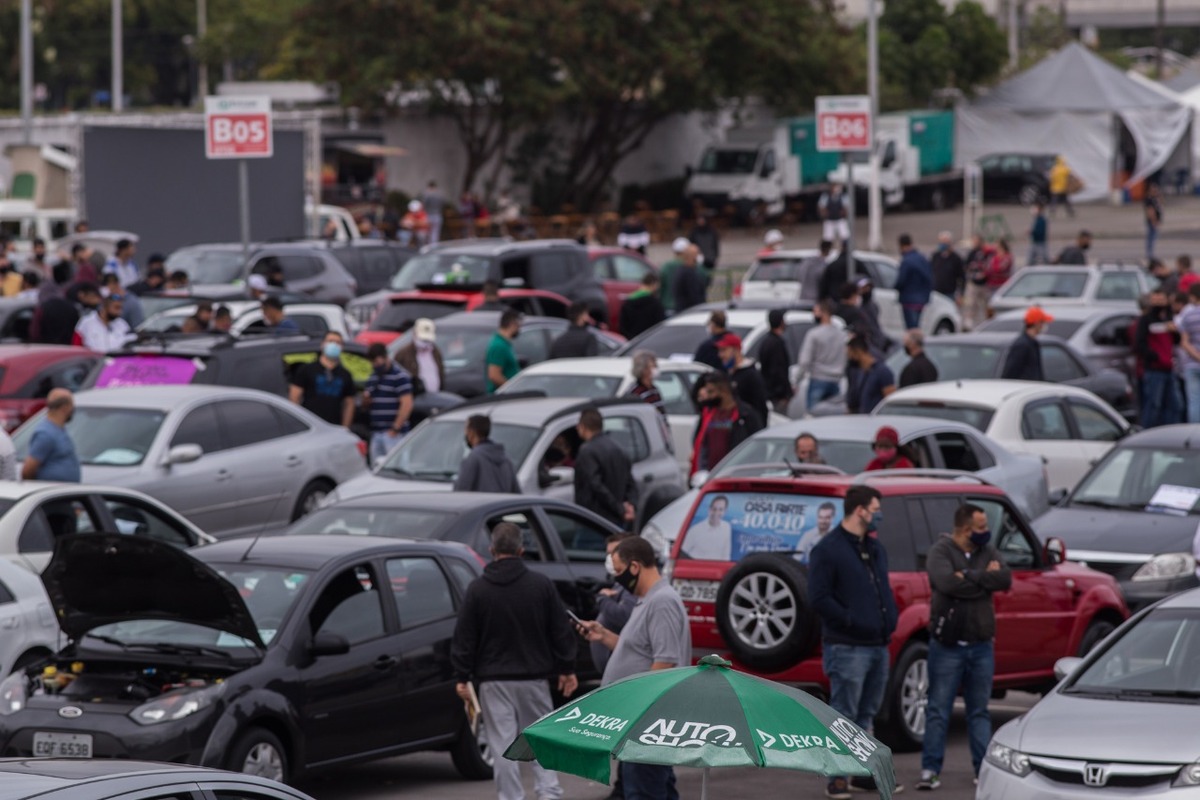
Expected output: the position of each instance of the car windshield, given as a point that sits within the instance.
(728, 162)
(398, 317)
(776, 269)
(103, 436)
(848, 455)
(1166, 480)
(207, 266)
(435, 450)
(954, 361)
(729, 526)
(442, 268)
(564, 385)
(977, 417)
(1048, 284)
(1063, 329)
(1158, 658)
(406, 523)
(5, 505)
(680, 341)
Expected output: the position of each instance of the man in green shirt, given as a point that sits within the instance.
(667, 271)
(501, 358)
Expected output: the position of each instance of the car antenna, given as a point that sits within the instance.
(258, 535)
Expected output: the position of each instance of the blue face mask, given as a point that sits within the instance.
(876, 521)
(980, 538)
(332, 350)
(729, 365)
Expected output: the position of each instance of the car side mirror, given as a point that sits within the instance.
(1064, 667)
(699, 478)
(1055, 551)
(183, 454)
(562, 476)
(1057, 497)
(326, 643)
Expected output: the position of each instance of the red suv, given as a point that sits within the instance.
(740, 565)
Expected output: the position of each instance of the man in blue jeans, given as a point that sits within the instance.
(965, 569)
(849, 590)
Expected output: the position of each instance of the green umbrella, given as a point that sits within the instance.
(702, 716)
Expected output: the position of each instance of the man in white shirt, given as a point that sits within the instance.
(121, 264)
(103, 330)
(812, 536)
(712, 538)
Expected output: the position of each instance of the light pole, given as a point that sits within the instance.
(201, 70)
(27, 71)
(118, 56)
(874, 200)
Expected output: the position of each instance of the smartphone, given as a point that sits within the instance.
(573, 617)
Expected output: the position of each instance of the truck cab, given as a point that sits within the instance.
(754, 168)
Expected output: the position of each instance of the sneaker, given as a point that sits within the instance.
(861, 784)
(838, 789)
(929, 781)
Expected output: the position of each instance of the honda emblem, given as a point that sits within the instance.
(1095, 774)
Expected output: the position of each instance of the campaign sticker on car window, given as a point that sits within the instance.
(728, 527)
(1174, 499)
(146, 371)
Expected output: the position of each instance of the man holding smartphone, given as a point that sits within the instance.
(513, 633)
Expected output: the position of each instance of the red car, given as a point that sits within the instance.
(400, 310)
(620, 272)
(29, 371)
(740, 565)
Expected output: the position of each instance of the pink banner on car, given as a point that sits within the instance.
(146, 371)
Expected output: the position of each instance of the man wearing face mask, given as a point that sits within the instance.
(748, 382)
(52, 455)
(919, 368)
(725, 422)
(422, 359)
(965, 570)
(487, 467)
(613, 604)
(325, 387)
(849, 591)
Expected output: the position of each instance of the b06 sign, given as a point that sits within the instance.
(237, 127)
(843, 123)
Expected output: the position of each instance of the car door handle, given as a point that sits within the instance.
(224, 475)
(647, 478)
(385, 663)
(293, 461)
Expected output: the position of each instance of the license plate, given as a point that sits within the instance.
(697, 591)
(62, 745)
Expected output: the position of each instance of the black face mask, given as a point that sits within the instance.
(626, 580)
(467, 442)
(711, 402)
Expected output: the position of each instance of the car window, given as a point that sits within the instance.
(1112, 332)
(630, 435)
(295, 267)
(376, 267)
(248, 422)
(139, 519)
(1044, 420)
(531, 346)
(1093, 424)
(349, 606)
(1017, 547)
(421, 591)
(676, 394)
(6, 595)
(630, 269)
(65, 375)
(549, 269)
(1048, 283)
(1059, 365)
(977, 417)
(550, 307)
(989, 163)
(289, 423)
(200, 427)
(530, 539)
(883, 273)
(593, 386)
(55, 518)
(602, 268)
(939, 515)
(957, 452)
(1118, 286)
(793, 337)
(957, 361)
(1155, 658)
(581, 540)
(314, 325)
(461, 573)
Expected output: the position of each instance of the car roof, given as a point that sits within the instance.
(809, 252)
(518, 409)
(31, 777)
(1186, 436)
(836, 485)
(13, 352)
(205, 344)
(1076, 268)
(445, 501)
(737, 317)
(482, 319)
(604, 366)
(19, 490)
(162, 397)
(986, 393)
(493, 247)
(1067, 313)
(985, 338)
(853, 427)
(313, 551)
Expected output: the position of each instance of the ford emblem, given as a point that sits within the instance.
(70, 712)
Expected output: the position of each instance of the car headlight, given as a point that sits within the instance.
(176, 705)
(1008, 759)
(1188, 776)
(13, 692)
(1166, 566)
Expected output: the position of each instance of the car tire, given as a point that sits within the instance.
(1030, 193)
(902, 728)
(1095, 633)
(310, 497)
(473, 755)
(259, 752)
(764, 629)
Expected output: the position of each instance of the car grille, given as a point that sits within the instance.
(1114, 780)
(1072, 772)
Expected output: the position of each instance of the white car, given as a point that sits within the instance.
(33, 514)
(314, 319)
(1108, 285)
(1070, 428)
(774, 278)
(26, 617)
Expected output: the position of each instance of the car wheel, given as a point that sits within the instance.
(908, 693)
(472, 755)
(29, 659)
(311, 497)
(943, 327)
(762, 612)
(1095, 633)
(259, 752)
(1029, 194)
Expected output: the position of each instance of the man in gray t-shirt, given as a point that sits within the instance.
(656, 637)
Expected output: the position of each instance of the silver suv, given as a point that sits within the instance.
(428, 459)
(307, 268)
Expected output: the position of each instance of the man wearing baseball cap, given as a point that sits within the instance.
(422, 359)
(772, 242)
(1024, 362)
(748, 383)
(666, 273)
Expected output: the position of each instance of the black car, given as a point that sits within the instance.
(553, 265)
(1017, 177)
(1136, 513)
(274, 656)
(76, 779)
(372, 262)
(463, 340)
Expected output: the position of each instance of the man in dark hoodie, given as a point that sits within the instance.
(642, 309)
(603, 473)
(576, 341)
(486, 468)
(513, 634)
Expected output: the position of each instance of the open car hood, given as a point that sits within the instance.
(97, 579)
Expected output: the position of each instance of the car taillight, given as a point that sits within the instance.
(737, 291)
(362, 448)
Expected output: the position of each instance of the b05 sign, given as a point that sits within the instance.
(237, 127)
(843, 123)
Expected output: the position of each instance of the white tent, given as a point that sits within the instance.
(1076, 104)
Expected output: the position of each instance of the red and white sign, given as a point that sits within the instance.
(237, 127)
(844, 123)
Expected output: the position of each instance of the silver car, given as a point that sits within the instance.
(428, 459)
(1122, 723)
(1100, 334)
(1111, 285)
(233, 461)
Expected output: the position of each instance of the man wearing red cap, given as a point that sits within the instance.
(748, 382)
(1024, 362)
(887, 451)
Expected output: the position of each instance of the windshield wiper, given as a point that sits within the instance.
(108, 640)
(1174, 693)
(386, 470)
(438, 473)
(184, 649)
(1109, 504)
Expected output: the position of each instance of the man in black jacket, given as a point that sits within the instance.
(642, 309)
(513, 633)
(724, 423)
(949, 270)
(965, 570)
(773, 362)
(487, 467)
(1024, 360)
(706, 351)
(849, 591)
(748, 382)
(577, 341)
(603, 473)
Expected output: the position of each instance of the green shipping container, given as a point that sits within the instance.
(932, 132)
(814, 166)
